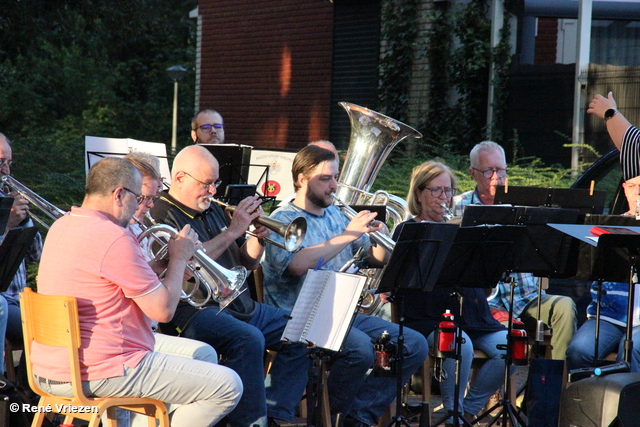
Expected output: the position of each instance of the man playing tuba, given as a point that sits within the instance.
(331, 241)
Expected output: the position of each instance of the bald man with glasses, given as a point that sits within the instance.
(488, 167)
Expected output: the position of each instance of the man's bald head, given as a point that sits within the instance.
(191, 158)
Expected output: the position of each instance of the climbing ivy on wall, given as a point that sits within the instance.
(459, 54)
(399, 30)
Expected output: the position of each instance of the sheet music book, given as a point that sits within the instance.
(324, 309)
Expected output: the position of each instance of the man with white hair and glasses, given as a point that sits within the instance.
(488, 167)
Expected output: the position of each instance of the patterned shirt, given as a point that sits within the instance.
(613, 303)
(19, 282)
(527, 284)
(281, 288)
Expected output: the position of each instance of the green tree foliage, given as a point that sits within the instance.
(69, 69)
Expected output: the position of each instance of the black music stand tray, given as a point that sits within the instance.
(13, 249)
(444, 255)
(606, 245)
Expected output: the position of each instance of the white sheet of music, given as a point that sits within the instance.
(324, 308)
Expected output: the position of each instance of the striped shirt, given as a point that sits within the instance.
(630, 153)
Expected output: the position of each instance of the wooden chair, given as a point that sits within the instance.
(53, 321)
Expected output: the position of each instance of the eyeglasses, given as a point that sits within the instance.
(437, 191)
(139, 197)
(213, 184)
(209, 128)
(489, 172)
(147, 200)
(5, 162)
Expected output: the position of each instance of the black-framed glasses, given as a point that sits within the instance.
(489, 172)
(212, 184)
(5, 162)
(437, 191)
(139, 197)
(209, 128)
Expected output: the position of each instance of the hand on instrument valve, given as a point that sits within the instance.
(182, 246)
(19, 211)
(364, 222)
(247, 211)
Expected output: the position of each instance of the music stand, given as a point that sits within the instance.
(13, 249)
(444, 255)
(605, 244)
(415, 263)
(6, 203)
(234, 161)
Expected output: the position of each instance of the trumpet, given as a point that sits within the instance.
(220, 284)
(10, 184)
(293, 233)
(381, 239)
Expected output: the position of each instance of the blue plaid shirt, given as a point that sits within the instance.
(527, 284)
(19, 282)
(282, 288)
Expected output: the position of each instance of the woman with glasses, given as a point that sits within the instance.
(431, 191)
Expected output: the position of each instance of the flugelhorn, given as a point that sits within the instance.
(379, 238)
(293, 232)
(220, 284)
(10, 184)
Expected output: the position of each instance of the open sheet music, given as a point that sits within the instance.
(324, 308)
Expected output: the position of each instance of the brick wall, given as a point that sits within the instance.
(266, 67)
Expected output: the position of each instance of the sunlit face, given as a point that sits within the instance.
(198, 186)
(431, 206)
(632, 192)
(321, 183)
(215, 136)
(150, 188)
(491, 160)
(6, 155)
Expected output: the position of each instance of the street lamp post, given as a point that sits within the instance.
(176, 73)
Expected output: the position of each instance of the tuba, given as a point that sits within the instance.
(10, 184)
(373, 136)
(220, 284)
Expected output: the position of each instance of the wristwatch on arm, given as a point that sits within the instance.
(610, 113)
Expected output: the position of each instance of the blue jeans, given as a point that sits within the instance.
(353, 389)
(241, 346)
(489, 378)
(611, 338)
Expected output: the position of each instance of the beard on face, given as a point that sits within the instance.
(317, 199)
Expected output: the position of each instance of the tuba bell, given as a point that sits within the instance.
(220, 284)
(373, 136)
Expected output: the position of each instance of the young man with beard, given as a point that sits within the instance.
(332, 238)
